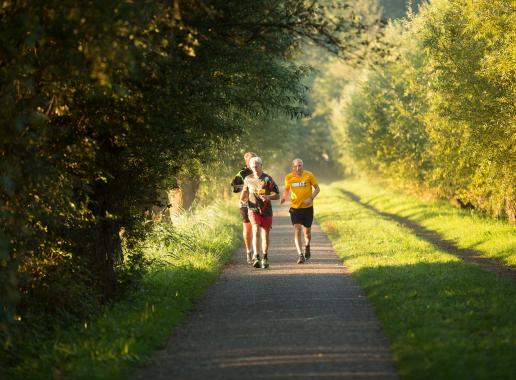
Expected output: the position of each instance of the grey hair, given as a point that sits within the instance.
(298, 159)
(257, 159)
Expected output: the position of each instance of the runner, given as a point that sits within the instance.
(258, 190)
(237, 185)
(300, 183)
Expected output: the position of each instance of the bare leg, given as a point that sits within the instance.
(247, 236)
(265, 241)
(308, 235)
(297, 238)
(256, 240)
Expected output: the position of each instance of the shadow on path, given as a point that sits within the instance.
(467, 254)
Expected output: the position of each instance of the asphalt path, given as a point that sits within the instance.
(292, 321)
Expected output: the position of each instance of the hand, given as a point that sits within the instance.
(306, 202)
(282, 200)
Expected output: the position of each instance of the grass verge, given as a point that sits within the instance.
(444, 318)
(187, 260)
(470, 229)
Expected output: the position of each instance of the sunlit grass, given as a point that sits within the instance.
(444, 318)
(467, 228)
(187, 259)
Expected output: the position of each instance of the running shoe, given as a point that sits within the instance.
(265, 263)
(256, 261)
(301, 259)
(307, 252)
(249, 257)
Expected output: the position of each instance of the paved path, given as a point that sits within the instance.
(291, 321)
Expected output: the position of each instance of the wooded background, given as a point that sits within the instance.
(114, 111)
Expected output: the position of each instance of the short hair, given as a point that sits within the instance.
(298, 159)
(248, 156)
(255, 158)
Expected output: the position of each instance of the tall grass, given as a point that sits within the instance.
(186, 258)
(444, 318)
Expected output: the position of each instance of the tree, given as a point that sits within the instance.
(104, 104)
(471, 118)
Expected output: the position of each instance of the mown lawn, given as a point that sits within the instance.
(444, 318)
(187, 259)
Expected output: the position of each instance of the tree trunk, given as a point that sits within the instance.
(510, 209)
(182, 198)
(108, 246)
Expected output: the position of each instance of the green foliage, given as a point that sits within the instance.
(381, 127)
(315, 141)
(439, 112)
(103, 104)
(471, 118)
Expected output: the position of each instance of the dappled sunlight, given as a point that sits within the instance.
(124, 122)
(325, 357)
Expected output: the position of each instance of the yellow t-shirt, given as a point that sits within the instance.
(300, 188)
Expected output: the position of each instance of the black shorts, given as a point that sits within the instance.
(304, 216)
(244, 215)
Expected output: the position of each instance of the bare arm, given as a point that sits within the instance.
(316, 191)
(273, 196)
(244, 196)
(284, 196)
(312, 197)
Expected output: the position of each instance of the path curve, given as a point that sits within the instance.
(293, 321)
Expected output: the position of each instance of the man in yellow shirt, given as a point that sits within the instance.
(303, 188)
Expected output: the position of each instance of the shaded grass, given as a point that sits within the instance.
(444, 318)
(187, 259)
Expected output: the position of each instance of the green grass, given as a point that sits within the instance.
(187, 260)
(467, 228)
(444, 318)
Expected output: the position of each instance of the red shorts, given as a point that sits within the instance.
(263, 221)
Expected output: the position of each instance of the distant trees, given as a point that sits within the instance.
(384, 129)
(440, 111)
(397, 8)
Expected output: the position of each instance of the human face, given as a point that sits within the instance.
(248, 159)
(256, 167)
(297, 167)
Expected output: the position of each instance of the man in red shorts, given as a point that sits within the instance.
(237, 184)
(258, 191)
(300, 183)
